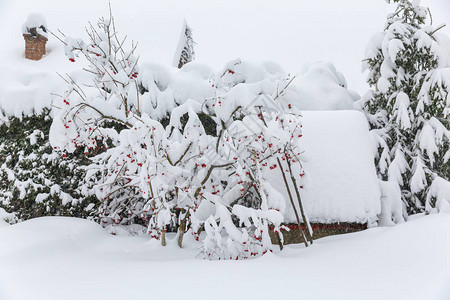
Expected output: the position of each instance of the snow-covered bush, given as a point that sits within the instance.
(409, 104)
(35, 181)
(170, 162)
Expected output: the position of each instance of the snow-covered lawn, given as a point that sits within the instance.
(67, 258)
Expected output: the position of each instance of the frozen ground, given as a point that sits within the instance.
(67, 258)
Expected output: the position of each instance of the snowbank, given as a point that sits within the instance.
(81, 262)
(44, 236)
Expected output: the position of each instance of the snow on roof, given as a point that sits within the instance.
(299, 31)
(342, 185)
(319, 86)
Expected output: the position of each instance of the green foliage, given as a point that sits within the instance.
(35, 181)
(407, 107)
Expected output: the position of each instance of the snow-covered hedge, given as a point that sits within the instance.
(35, 181)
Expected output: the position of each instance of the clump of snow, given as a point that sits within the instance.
(202, 70)
(37, 22)
(402, 115)
(6, 218)
(319, 86)
(391, 204)
(438, 198)
(35, 136)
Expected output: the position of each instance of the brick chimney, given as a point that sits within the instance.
(34, 44)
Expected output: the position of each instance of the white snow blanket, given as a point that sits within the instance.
(68, 258)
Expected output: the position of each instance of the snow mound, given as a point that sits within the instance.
(321, 87)
(44, 236)
(343, 186)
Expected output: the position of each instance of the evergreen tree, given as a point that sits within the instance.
(35, 181)
(185, 51)
(408, 104)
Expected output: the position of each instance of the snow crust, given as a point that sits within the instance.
(67, 258)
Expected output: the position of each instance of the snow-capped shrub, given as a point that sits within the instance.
(201, 167)
(35, 181)
(258, 135)
(6, 218)
(438, 198)
(409, 105)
